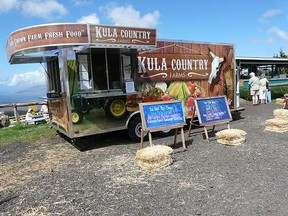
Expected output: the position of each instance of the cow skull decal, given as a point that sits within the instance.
(215, 66)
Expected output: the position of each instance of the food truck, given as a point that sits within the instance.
(97, 75)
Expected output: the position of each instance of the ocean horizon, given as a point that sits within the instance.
(8, 99)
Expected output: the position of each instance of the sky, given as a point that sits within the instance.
(257, 28)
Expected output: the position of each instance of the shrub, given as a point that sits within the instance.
(276, 92)
(245, 94)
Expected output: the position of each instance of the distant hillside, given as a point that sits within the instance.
(29, 94)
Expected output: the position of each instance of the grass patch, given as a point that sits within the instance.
(24, 132)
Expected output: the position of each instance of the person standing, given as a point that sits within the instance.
(263, 83)
(44, 112)
(254, 87)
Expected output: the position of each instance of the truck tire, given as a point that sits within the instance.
(134, 129)
(76, 116)
(115, 108)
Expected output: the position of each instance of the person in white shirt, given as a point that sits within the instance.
(254, 87)
(263, 82)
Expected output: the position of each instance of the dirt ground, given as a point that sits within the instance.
(53, 177)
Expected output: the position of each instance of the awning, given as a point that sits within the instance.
(56, 36)
(26, 59)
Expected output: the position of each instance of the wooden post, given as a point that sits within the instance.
(183, 139)
(206, 133)
(175, 135)
(191, 121)
(150, 138)
(142, 138)
(16, 114)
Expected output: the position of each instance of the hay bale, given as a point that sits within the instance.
(154, 157)
(280, 101)
(281, 114)
(155, 165)
(153, 153)
(231, 136)
(276, 125)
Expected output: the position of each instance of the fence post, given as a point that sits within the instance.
(16, 114)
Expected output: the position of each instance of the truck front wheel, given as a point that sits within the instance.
(115, 108)
(76, 116)
(134, 129)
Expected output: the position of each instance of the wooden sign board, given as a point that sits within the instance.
(163, 115)
(213, 111)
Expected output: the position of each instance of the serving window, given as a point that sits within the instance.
(53, 72)
(106, 68)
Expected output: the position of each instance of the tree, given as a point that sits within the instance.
(281, 69)
(281, 54)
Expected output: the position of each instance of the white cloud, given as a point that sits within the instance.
(280, 33)
(269, 41)
(261, 41)
(81, 2)
(271, 13)
(28, 78)
(268, 14)
(7, 5)
(47, 9)
(128, 16)
(92, 18)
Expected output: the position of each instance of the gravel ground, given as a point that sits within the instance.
(52, 177)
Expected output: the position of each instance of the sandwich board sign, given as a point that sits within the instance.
(212, 111)
(162, 115)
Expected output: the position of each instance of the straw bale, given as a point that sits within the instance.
(281, 123)
(276, 125)
(154, 153)
(276, 129)
(146, 165)
(236, 141)
(280, 101)
(154, 157)
(230, 134)
(281, 114)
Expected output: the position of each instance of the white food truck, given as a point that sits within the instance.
(97, 75)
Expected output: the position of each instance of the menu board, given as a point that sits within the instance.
(212, 109)
(164, 114)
